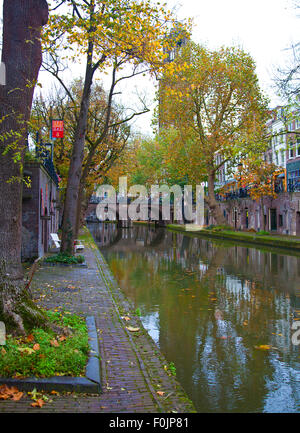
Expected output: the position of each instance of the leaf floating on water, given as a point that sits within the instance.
(132, 329)
(263, 347)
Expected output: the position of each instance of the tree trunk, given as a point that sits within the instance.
(80, 204)
(22, 56)
(213, 204)
(75, 170)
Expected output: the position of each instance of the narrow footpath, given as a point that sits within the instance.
(134, 373)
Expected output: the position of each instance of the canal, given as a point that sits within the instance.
(222, 313)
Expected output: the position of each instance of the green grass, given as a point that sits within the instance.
(56, 355)
(65, 258)
(138, 312)
(262, 233)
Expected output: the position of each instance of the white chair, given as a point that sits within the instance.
(56, 241)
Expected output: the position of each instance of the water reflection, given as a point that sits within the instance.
(207, 305)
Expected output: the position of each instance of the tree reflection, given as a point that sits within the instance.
(212, 305)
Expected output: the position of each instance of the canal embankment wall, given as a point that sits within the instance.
(288, 242)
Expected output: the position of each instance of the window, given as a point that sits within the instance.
(291, 147)
(280, 221)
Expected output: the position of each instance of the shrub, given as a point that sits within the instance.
(252, 230)
(262, 233)
(65, 258)
(220, 228)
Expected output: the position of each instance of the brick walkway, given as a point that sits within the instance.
(132, 368)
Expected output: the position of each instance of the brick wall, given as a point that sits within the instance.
(39, 216)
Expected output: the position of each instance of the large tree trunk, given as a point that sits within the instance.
(75, 170)
(22, 56)
(213, 204)
(82, 185)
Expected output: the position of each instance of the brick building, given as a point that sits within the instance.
(40, 215)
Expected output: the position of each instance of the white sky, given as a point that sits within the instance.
(264, 28)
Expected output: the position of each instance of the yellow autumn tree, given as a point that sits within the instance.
(212, 102)
(106, 34)
(100, 151)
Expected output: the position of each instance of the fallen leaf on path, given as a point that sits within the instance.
(54, 343)
(131, 329)
(160, 393)
(38, 403)
(126, 318)
(10, 393)
(26, 350)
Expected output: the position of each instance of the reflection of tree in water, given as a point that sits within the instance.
(185, 281)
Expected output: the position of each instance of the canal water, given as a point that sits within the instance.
(221, 312)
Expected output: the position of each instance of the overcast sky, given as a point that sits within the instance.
(264, 28)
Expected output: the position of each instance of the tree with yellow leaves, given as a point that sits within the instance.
(100, 150)
(108, 34)
(258, 176)
(212, 101)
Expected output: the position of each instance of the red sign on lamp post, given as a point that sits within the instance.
(57, 129)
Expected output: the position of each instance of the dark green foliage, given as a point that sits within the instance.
(57, 355)
(65, 258)
(262, 233)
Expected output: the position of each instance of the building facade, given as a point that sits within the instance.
(40, 204)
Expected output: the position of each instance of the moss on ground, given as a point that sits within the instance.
(44, 354)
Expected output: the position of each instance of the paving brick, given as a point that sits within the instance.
(130, 362)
